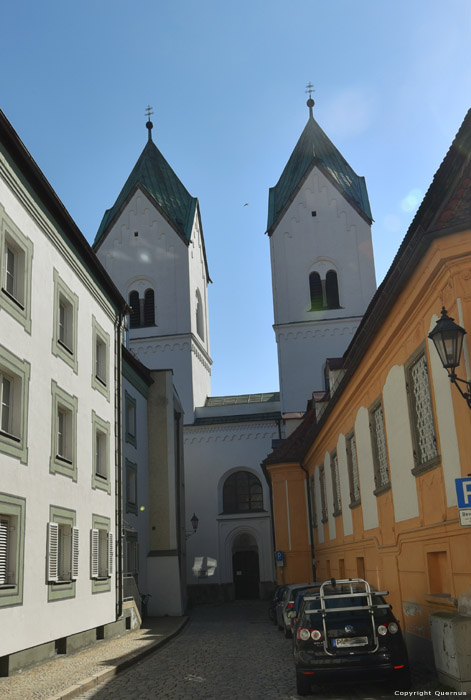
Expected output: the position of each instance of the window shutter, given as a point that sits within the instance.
(52, 552)
(75, 553)
(94, 536)
(3, 551)
(110, 553)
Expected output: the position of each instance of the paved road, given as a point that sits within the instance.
(226, 652)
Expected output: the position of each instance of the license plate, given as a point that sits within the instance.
(350, 641)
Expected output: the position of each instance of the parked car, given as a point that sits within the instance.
(274, 602)
(348, 631)
(295, 613)
(286, 604)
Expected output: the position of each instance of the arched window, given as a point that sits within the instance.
(242, 493)
(149, 308)
(315, 286)
(199, 315)
(332, 290)
(135, 305)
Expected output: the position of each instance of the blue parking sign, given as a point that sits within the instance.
(279, 555)
(463, 492)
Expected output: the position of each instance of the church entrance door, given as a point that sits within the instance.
(246, 574)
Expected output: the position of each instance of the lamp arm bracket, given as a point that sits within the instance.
(454, 380)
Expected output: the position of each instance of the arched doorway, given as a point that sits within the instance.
(245, 567)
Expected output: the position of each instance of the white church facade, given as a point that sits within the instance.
(151, 243)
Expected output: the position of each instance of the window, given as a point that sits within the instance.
(14, 390)
(101, 453)
(352, 466)
(64, 340)
(135, 305)
(199, 315)
(334, 469)
(242, 493)
(130, 417)
(64, 433)
(380, 455)
(312, 492)
(324, 292)
(12, 528)
(101, 554)
(149, 308)
(101, 363)
(15, 271)
(131, 487)
(132, 553)
(62, 553)
(421, 414)
(324, 516)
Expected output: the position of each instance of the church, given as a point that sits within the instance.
(151, 243)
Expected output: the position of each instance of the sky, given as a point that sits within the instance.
(226, 82)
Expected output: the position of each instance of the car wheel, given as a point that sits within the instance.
(303, 685)
(402, 679)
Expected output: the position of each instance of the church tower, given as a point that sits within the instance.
(151, 244)
(319, 224)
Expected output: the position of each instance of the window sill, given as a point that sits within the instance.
(65, 347)
(427, 466)
(7, 586)
(101, 381)
(64, 460)
(324, 520)
(13, 299)
(9, 436)
(382, 489)
(103, 477)
(354, 504)
(336, 513)
(442, 600)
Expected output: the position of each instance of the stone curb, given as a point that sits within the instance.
(88, 683)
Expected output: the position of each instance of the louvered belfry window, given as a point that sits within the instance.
(332, 290)
(149, 308)
(425, 439)
(135, 305)
(315, 288)
(380, 454)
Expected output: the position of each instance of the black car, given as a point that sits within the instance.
(347, 631)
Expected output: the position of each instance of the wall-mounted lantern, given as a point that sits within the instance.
(448, 337)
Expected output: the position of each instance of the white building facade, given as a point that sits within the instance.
(61, 321)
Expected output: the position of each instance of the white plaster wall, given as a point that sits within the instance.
(344, 485)
(400, 449)
(164, 585)
(365, 469)
(37, 621)
(445, 421)
(212, 453)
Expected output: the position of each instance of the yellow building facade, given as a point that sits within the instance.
(365, 487)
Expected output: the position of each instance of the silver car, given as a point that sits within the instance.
(287, 604)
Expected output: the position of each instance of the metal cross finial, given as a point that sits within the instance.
(309, 89)
(310, 102)
(149, 124)
(149, 112)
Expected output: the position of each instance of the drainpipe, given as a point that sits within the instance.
(119, 474)
(309, 511)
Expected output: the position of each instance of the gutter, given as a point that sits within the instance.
(119, 474)
(309, 511)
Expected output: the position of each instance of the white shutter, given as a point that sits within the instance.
(110, 553)
(3, 551)
(52, 552)
(75, 553)
(94, 536)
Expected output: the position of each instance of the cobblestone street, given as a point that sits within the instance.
(227, 652)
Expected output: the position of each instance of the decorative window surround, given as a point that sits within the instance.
(101, 554)
(63, 433)
(242, 493)
(324, 514)
(65, 323)
(352, 465)
(334, 467)
(62, 553)
(100, 359)
(422, 422)
(380, 453)
(101, 454)
(16, 256)
(12, 535)
(131, 487)
(130, 418)
(312, 491)
(14, 392)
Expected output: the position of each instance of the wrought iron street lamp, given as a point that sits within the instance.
(448, 337)
(194, 524)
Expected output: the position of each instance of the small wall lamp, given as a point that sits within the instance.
(194, 524)
(448, 337)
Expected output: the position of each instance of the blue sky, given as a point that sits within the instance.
(226, 82)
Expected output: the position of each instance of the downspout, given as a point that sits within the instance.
(119, 474)
(309, 512)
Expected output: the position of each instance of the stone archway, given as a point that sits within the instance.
(245, 567)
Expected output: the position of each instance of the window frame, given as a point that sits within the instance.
(59, 347)
(131, 473)
(419, 466)
(18, 304)
(132, 542)
(61, 464)
(101, 429)
(379, 486)
(324, 509)
(61, 519)
(18, 372)
(100, 382)
(101, 583)
(130, 402)
(335, 476)
(13, 511)
(232, 482)
(354, 502)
